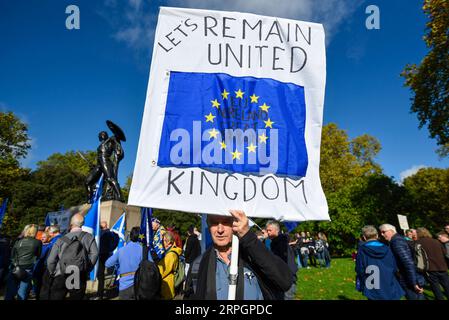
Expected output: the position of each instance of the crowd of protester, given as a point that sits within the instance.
(308, 250)
(38, 264)
(392, 266)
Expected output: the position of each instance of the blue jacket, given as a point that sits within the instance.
(376, 272)
(41, 263)
(127, 259)
(404, 259)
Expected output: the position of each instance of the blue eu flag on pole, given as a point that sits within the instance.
(290, 225)
(92, 220)
(246, 125)
(146, 230)
(3, 210)
(119, 228)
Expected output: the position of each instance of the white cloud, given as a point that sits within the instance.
(410, 172)
(134, 23)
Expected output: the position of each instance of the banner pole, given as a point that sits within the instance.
(233, 270)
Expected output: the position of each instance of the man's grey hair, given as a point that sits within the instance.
(54, 229)
(274, 224)
(369, 232)
(386, 227)
(77, 220)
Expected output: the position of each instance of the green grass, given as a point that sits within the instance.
(335, 283)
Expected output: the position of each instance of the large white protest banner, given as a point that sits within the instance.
(233, 116)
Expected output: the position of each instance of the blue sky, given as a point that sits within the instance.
(66, 83)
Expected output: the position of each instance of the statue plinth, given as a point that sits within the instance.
(111, 211)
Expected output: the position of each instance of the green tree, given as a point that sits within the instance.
(428, 193)
(430, 80)
(14, 146)
(57, 181)
(343, 159)
(372, 199)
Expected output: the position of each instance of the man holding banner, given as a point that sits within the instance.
(261, 274)
(233, 119)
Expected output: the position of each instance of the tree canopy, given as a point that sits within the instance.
(429, 80)
(14, 146)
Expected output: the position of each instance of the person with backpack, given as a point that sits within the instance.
(280, 247)
(73, 255)
(408, 278)
(127, 260)
(25, 253)
(434, 264)
(170, 267)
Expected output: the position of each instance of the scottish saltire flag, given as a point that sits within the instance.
(92, 220)
(120, 228)
(146, 230)
(234, 124)
(3, 210)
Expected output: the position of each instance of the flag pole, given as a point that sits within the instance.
(233, 270)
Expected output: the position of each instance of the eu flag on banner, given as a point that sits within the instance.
(146, 230)
(119, 228)
(234, 124)
(92, 220)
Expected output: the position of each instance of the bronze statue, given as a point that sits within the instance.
(109, 154)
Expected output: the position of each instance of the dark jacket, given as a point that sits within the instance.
(26, 251)
(5, 253)
(41, 264)
(404, 260)
(108, 242)
(193, 248)
(273, 274)
(375, 253)
(281, 248)
(435, 254)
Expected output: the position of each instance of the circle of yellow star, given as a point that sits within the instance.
(263, 138)
(236, 155)
(215, 103)
(254, 98)
(213, 133)
(223, 145)
(269, 123)
(224, 94)
(239, 94)
(251, 148)
(264, 107)
(210, 117)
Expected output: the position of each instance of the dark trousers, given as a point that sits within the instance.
(100, 277)
(58, 289)
(127, 294)
(437, 278)
(410, 294)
